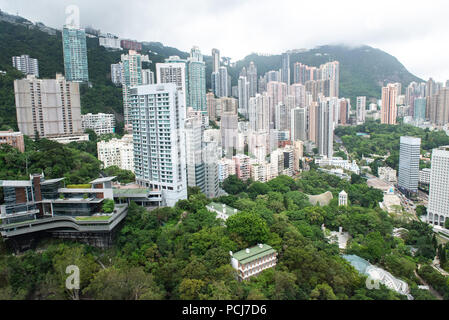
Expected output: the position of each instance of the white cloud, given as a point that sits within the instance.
(413, 31)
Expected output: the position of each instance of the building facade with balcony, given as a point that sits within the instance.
(35, 206)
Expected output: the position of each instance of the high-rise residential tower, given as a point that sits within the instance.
(148, 77)
(131, 68)
(286, 68)
(116, 74)
(223, 82)
(26, 65)
(361, 110)
(259, 113)
(75, 54)
(244, 95)
(439, 107)
(159, 140)
(298, 124)
(409, 154)
(194, 150)
(389, 108)
(49, 107)
(438, 208)
(196, 81)
(215, 60)
(252, 79)
(174, 70)
(325, 126)
(419, 105)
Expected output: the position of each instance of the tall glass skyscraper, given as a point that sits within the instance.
(197, 81)
(75, 54)
(419, 113)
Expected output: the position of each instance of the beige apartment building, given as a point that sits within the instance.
(49, 107)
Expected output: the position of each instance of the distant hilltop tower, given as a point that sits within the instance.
(343, 199)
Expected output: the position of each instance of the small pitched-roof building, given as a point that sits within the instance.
(222, 210)
(252, 261)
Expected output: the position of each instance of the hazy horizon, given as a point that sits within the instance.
(411, 33)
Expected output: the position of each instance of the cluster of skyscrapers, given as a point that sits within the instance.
(424, 104)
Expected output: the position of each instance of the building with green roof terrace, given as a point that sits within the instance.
(252, 261)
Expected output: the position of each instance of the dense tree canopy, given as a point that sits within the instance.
(183, 252)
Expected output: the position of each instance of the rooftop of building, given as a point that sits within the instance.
(102, 180)
(229, 211)
(51, 181)
(412, 140)
(254, 253)
(10, 133)
(15, 183)
(379, 184)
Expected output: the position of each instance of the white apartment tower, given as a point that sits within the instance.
(438, 208)
(131, 68)
(361, 110)
(26, 65)
(243, 86)
(409, 155)
(223, 88)
(101, 123)
(147, 76)
(194, 151)
(116, 73)
(117, 152)
(215, 60)
(159, 140)
(212, 154)
(259, 113)
(298, 124)
(326, 127)
(174, 70)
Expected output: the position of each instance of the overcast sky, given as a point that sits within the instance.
(414, 31)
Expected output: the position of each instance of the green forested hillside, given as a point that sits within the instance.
(182, 253)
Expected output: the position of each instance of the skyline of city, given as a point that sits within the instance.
(160, 174)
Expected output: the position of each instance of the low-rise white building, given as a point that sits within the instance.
(339, 163)
(109, 41)
(66, 139)
(117, 152)
(101, 123)
(252, 261)
(222, 210)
